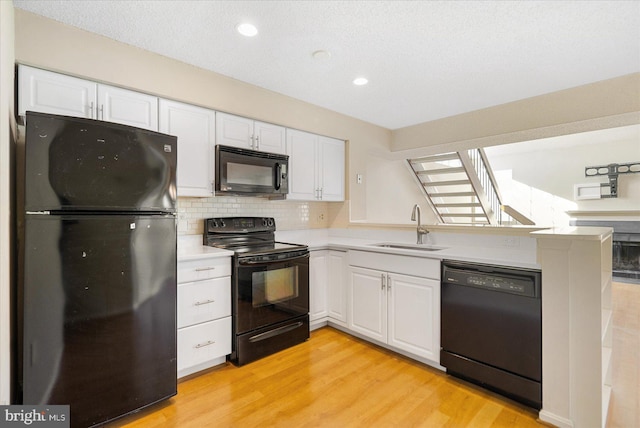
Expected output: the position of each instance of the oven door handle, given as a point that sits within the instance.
(270, 262)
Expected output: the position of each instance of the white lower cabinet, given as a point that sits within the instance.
(318, 278)
(337, 287)
(327, 292)
(413, 313)
(201, 345)
(402, 311)
(204, 313)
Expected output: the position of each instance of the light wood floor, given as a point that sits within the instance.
(624, 408)
(335, 380)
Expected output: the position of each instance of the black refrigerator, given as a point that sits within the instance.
(98, 286)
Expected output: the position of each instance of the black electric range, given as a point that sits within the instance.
(270, 286)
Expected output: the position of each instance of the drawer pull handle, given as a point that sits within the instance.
(206, 302)
(202, 345)
(205, 268)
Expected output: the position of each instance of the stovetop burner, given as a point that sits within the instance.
(246, 236)
(275, 247)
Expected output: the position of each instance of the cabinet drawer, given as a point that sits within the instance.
(202, 301)
(203, 342)
(196, 270)
(408, 265)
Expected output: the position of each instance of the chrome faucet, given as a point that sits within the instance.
(421, 231)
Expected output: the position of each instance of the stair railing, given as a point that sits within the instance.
(488, 181)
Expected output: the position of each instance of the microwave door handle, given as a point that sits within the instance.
(278, 171)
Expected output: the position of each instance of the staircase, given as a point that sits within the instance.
(461, 189)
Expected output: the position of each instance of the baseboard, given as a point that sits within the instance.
(554, 419)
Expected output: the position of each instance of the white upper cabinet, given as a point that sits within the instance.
(127, 107)
(270, 138)
(195, 129)
(234, 131)
(47, 92)
(301, 148)
(331, 168)
(316, 167)
(246, 133)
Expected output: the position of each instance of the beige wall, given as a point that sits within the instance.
(605, 104)
(7, 132)
(386, 195)
(48, 44)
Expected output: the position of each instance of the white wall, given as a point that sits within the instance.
(7, 128)
(553, 166)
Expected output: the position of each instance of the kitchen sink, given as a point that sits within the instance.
(417, 247)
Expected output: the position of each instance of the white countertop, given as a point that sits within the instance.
(498, 249)
(190, 248)
(581, 233)
(505, 250)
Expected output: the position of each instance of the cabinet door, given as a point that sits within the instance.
(234, 131)
(331, 161)
(47, 92)
(414, 315)
(127, 107)
(368, 303)
(337, 287)
(318, 285)
(301, 147)
(195, 129)
(269, 138)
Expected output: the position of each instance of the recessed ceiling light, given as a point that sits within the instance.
(246, 29)
(321, 54)
(359, 81)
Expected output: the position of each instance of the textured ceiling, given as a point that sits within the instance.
(424, 59)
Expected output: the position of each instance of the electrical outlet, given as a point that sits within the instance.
(320, 218)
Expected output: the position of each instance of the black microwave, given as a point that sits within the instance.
(243, 172)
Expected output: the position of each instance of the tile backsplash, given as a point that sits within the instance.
(289, 215)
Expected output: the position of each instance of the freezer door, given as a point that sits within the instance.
(77, 164)
(99, 313)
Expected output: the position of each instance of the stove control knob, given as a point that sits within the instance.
(264, 222)
(221, 224)
(213, 223)
(270, 222)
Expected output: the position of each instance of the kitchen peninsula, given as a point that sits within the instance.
(576, 299)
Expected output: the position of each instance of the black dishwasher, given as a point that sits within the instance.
(491, 328)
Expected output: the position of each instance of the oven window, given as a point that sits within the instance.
(274, 286)
(240, 173)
